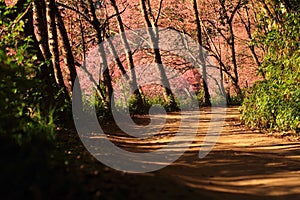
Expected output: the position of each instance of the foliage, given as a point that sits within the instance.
(236, 100)
(152, 101)
(274, 103)
(101, 108)
(20, 91)
(29, 159)
(157, 101)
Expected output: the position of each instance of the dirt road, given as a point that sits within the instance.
(244, 164)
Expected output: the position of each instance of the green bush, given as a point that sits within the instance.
(272, 106)
(274, 103)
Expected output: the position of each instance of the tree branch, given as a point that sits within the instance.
(158, 14)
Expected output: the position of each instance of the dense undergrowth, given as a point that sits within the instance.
(27, 131)
(274, 103)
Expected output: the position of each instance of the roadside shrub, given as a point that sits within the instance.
(274, 103)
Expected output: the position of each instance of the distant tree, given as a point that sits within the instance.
(151, 24)
(222, 42)
(100, 36)
(87, 11)
(201, 53)
(247, 16)
(228, 11)
(129, 57)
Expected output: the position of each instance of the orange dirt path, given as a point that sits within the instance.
(244, 163)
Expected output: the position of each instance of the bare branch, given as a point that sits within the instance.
(234, 11)
(158, 14)
(75, 10)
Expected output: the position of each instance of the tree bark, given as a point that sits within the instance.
(52, 41)
(106, 76)
(41, 36)
(231, 42)
(247, 24)
(66, 50)
(154, 37)
(202, 58)
(133, 83)
(41, 28)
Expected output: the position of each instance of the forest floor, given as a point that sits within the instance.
(244, 164)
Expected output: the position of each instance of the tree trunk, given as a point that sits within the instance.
(53, 47)
(106, 76)
(202, 58)
(154, 37)
(52, 41)
(66, 51)
(247, 24)
(41, 36)
(231, 43)
(133, 83)
(41, 28)
(234, 62)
